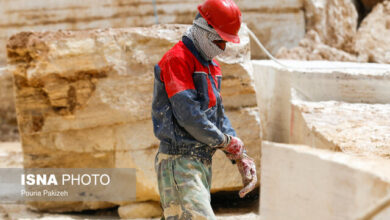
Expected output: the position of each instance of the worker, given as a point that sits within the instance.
(189, 117)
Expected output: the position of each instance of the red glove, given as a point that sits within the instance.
(247, 168)
(234, 148)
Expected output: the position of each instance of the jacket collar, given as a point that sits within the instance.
(190, 45)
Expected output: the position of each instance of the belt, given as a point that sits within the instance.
(204, 153)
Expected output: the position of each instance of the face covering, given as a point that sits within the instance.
(203, 36)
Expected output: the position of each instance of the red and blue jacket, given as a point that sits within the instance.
(187, 111)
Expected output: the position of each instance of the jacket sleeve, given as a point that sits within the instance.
(226, 127)
(179, 85)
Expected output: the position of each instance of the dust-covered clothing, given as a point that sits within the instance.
(189, 120)
(184, 183)
(187, 111)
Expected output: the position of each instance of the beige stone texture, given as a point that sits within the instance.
(369, 4)
(276, 23)
(276, 28)
(372, 40)
(42, 15)
(313, 81)
(272, 21)
(247, 125)
(65, 96)
(331, 28)
(143, 162)
(8, 124)
(313, 48)
(83, 99)
(303, 183)
(140, 210)
(353, 128)
(11, 155)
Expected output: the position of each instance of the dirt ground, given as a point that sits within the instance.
(227, 205)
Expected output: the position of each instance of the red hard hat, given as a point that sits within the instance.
(224, 16)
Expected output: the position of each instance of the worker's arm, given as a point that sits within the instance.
(226, 125)
(179, 85)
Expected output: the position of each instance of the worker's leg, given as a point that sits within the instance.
(184, 185)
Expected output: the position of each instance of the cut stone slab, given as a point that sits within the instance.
(359, 129)
(303, 183)
(338, 81)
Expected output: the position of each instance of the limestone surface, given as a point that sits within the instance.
(313, 48)
(314, 81)
(352, 128)
(369, 4)
(372, 40)
(299, 181)
(8, 125)
(331, 29)
(83, 99)
(140, 210)
(271, 20)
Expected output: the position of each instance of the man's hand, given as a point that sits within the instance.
(247, 168)
(234, 148)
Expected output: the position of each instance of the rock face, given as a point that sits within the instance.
(372, 40)
(337, 81)
(83, 99)
(331, 29)
(299, 181)
(8, 125)
(273, 21)
(335, 21)
(369, 4)
(333, 35)
(312, 48)
(276, 23)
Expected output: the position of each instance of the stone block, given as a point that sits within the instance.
(143, 162)
(8, 124)
(353, 128)
(275, 28)
(303, 183)
(140, 210)
(314, 81)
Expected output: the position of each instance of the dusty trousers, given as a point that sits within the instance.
(184, 184)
